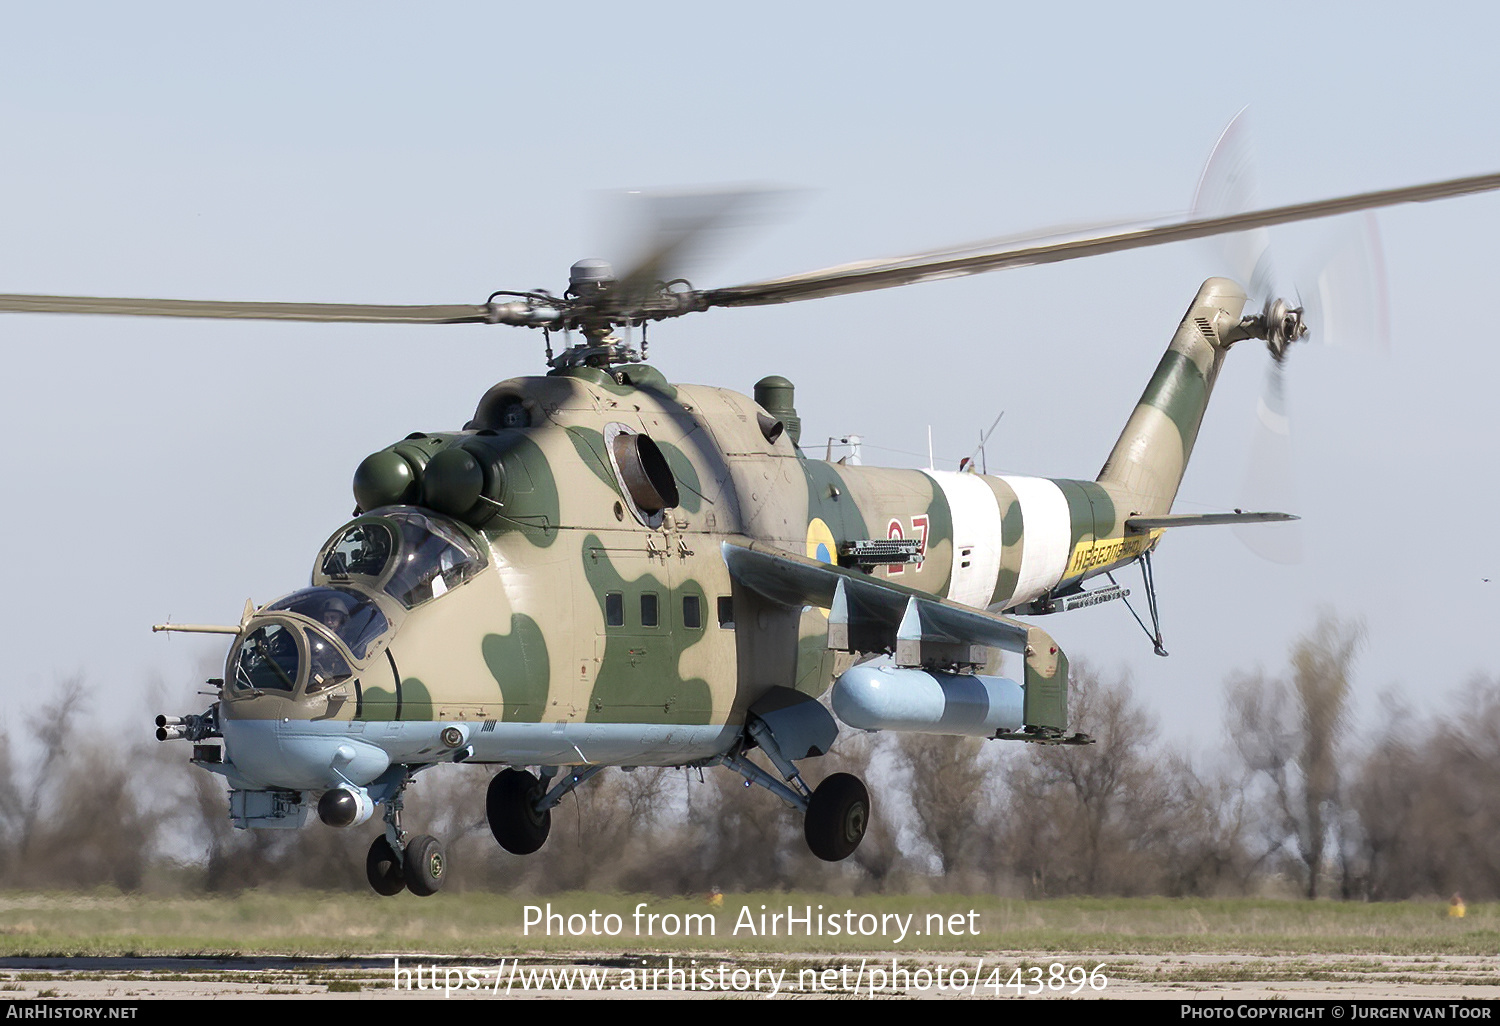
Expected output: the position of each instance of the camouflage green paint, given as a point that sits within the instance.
(377, 704)
(829, 500)
(590, 446)
(518, 661)
(690, 487)
(637, 377)
(1179, 390)
(1046, 681)
(1144, 469)
(1012, 535)
(814, 663)
(939, 531)
(648, 379)
(416, 700)
(531, 498)
(1080, 513)
(638, 679)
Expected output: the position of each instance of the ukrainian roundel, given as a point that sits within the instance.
(820, 543)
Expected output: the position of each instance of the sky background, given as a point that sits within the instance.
(412, 154)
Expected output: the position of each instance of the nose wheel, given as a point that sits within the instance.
(425, 865)
(396, 863)
(421, 867)
(383, 868)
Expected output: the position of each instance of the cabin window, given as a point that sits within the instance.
(614, 609)
(726, 612)
(648, 609)
(692, 611)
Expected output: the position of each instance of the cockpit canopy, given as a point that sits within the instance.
(412, 555)
(316, 637)
(353, 617)
(272, 657)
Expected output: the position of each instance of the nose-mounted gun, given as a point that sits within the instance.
(190, 727)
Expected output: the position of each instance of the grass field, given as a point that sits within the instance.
(107, 924)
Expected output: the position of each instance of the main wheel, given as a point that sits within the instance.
(837, 815)
(426, 865)
(510, 806)
(383, 868)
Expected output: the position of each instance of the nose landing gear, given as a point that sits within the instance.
(396, 863)
(383, 868)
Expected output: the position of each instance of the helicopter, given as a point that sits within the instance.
(601, 568)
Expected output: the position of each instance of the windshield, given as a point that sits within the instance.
(351, 616)
(363, 549)
(327, 666)
(435, 557)
(267, 660)
(420, 555)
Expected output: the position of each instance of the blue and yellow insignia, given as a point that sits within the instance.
(820, 543)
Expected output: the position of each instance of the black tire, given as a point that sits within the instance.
(383, 868)
(426, 865)
(837, 815)
(510, 807)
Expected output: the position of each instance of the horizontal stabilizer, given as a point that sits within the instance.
(1203, 519)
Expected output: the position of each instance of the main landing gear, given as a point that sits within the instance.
(519, 805)
(834, 816)
(837, 814)
(786, 725)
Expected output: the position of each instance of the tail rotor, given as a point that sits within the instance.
(1344, 305)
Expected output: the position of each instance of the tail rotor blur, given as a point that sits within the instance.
(1340, 301)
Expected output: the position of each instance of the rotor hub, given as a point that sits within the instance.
(1279, 324)
(590, 277)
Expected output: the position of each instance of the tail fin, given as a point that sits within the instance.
(1146, 465)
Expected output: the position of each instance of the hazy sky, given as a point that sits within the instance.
(434, 153)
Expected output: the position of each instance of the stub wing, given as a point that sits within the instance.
(866, 614)
(918, 630)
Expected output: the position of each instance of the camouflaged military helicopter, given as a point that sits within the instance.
(601, 568)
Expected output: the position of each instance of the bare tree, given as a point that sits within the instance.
(1092, 819)
(946, 786)
(1288, 734)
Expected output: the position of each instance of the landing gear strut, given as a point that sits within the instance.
(519, 805)
(836, 814)
(396, 863)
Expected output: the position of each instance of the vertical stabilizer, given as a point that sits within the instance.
(1146, 465)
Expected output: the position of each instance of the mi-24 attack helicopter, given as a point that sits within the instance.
(605, 569)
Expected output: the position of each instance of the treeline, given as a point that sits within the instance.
(1291, 803)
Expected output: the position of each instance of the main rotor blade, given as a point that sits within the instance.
(867, 276)
(678, 227)
(252, 311)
